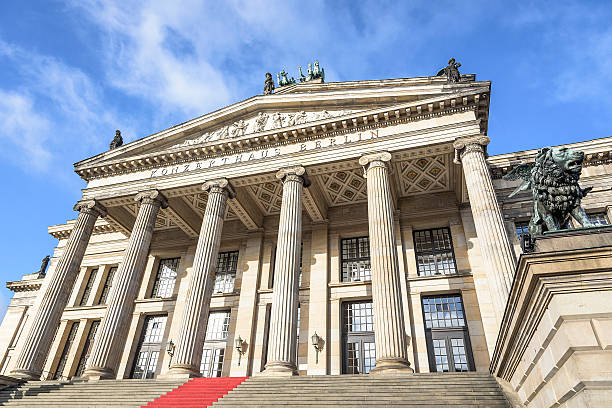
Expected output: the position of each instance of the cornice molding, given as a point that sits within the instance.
(474, 100)
(25, 285)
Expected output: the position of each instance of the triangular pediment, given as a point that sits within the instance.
(301, 112)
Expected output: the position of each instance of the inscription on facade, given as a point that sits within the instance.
(262, 154)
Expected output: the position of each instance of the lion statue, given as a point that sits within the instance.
(553, 180)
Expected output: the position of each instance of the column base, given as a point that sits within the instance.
(98, 373)
(280, 369)
(390, 366)
(25, 375)
(180, 371)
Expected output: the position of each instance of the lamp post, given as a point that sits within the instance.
(317, 344)
(239, 347)
(170, 350)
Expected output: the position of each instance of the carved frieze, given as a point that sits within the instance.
(262, 123)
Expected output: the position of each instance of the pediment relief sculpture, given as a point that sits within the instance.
(261, 123)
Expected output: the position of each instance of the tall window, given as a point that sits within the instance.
(165, 278)
(356, 259)
(359, 351)
(599, 218)
(88, 287)
(64, 356)
(108, 283)
(213, 354)
(149, 348)
(93, 329)
(448, 343)
(226, 272)
(434, 252)
(521, 228)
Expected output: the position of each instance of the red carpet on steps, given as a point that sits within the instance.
(197, 393)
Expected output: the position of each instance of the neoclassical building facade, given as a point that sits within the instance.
(328, 228)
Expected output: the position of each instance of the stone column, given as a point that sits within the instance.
(389, 328)
(112, 333)
(497, 253)
(609, 213)
(188, 353)
(36, 346)
(283, 320)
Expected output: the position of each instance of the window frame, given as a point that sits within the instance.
(344, 260)
(161, 282)
(227, 272)
(434, 252)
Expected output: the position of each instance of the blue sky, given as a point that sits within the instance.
(73, 72)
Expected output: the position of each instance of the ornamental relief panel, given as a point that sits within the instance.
(264, 121)
(198, 203)
(343, 187)
(423, 174)
(162, 221)
(268, 196)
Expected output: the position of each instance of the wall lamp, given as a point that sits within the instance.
(317, 343)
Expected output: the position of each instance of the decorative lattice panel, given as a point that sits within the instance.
(424, 174)
(198, 203)
(268, 196)
(345, 186)
(162, 221)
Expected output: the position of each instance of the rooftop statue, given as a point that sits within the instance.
(117, 140)
(269, 86)
(313, 72)
(451, 72)
(43, 265)
(283, 80)
(553, 180)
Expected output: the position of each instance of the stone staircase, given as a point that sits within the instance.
(347, 391)
(344, 391)
(96, 394)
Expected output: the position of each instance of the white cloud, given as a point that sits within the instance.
(25, 129)
(53, 111)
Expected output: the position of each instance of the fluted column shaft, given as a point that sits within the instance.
(389, 328)
(498, 256)
(285, 298)
(36, 346)
(188, 352)
(112, 334)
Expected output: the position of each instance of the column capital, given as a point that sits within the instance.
(150, 196)
(220, 185)
(91, 207)
(293, 173)
(378, 159)
(469, 144)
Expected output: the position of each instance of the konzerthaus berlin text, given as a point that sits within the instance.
(326, 228)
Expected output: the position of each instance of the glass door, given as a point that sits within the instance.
(149, 347)
(359, 351)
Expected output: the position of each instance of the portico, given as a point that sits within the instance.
(329, 216)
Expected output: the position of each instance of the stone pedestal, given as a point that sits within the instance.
(190, 343)
(36, 346)
(555, 343)
(497, 253)
(389, 329)
(112, 333)
(283, 321)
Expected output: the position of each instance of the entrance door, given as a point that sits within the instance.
(215, 343)
(149, 347)
(359, 352)
(448, 341)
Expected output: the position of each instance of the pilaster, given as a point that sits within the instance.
(497, 253)
(283, 324)
(389, 327)
(111, 336)
(40, 336)
(190, 341)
